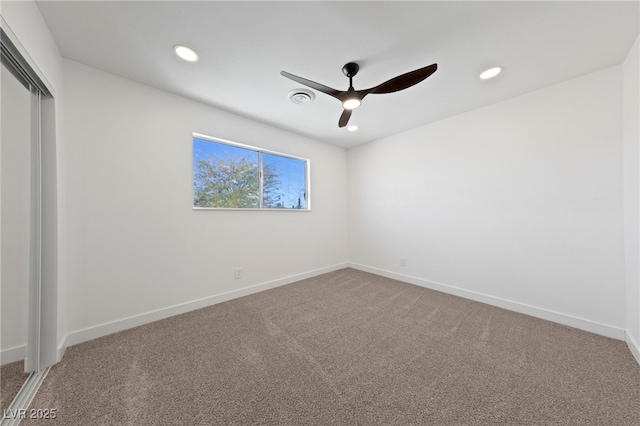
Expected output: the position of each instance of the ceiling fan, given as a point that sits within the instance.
(352, 98)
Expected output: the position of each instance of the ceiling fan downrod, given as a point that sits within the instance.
(350, 70)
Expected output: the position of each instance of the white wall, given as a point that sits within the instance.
(518, 204)
(631, 120)
(137, 250)
(23, 21)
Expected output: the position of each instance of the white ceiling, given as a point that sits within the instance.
(243, 46)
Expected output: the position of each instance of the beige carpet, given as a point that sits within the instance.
(346, 348)
(12, 376)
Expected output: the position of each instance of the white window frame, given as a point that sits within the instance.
(260, 151)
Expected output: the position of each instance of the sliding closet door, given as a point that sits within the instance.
(28, 194)
(15, 215)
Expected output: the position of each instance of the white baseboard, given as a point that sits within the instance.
(634, 346)
(9, 355)
(62, 347)
(560, 318)
(90, 333)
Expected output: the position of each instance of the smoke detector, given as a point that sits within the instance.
(301, 96)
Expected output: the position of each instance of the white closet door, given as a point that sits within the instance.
(15, 214)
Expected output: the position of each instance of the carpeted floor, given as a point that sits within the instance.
(347, 348)
(12, 376)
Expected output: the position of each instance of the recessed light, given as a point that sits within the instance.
(352, 128)
(185, 53)
(490, 73)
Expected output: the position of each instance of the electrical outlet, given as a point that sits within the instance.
(403, 261)
(238, 273)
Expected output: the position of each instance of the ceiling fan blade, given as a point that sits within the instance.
(344, 118)
(320, 87)
(404, 81)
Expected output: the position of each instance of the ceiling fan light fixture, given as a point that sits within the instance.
(351, 103)
(185, 53)
(352, 128)
(490, 73)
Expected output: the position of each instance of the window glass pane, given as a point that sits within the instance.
(224, 176)
(284, 182)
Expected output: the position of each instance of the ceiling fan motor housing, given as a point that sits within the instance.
(350, 69)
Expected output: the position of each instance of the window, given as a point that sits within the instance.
(227, 175)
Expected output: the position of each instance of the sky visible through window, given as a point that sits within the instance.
(225, 176)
